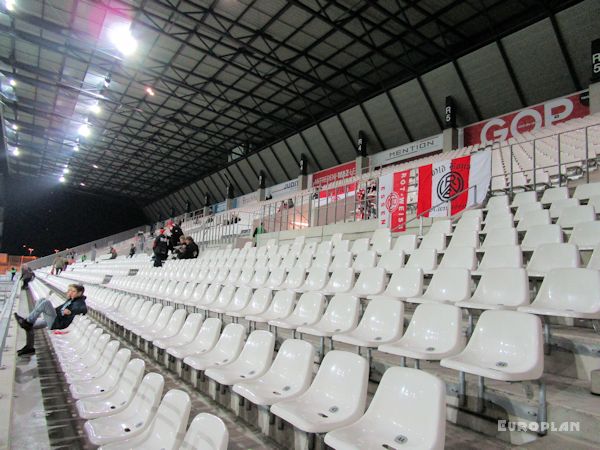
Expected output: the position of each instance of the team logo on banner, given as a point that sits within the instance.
(393, 199)
(449, 185)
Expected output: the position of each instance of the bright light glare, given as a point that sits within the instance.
(150, 91)
(61, 179)
(76, 148)
(15, 126)
(82, 184)
(15, 151)
(95, 166)
(122, 38)
(84, 130)
(10, 5)
(96, 109)
(66, 170)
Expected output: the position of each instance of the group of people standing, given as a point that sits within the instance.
(182, 247)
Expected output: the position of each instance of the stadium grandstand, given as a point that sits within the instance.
(300, 224)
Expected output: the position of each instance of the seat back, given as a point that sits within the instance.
(176, 322)
(493, 288)
(542, 234)
(437, 326)
(450, 284)
(443, 226)
(571, 216)
(276, 278)
(309, 307)
(208, 335)
(501, 256)
(117, 365)
(382, 240)
(464, 257)
(530, 219)
(131, 378)
(405, 243)
(231, 340)
(554, 256)
(497, 202)
(555, 194)
(247, 274)
(365, 260)
(211, 294)
(147, 397)
(493, 222)
(170, 420)
(206, 432)
(585, 191)
(527, 208)
(586, 234)
(341, 261)
(557, 206)
(190, 328)
(405, 283)
(500, 236)
(433, 240)
(342, 312)
(295, 278)
(163, 318)
(423, 258)
(370, 282)
(467, 223)
(573, 290)
(382, 319)
(316, 280)
(293, 364)
(524, 197)
(257, 352)
(341, 280)
(240, 299)
(152, 315)
(508, 339)
(360, 245)
(259, 302)
(282, 304)
(464, 238)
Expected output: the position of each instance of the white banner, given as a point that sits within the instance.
(281, 189)
(406, 151)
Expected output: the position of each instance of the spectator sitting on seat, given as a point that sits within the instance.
(26, 275)
(113, 253)
(190, 250)
(179, 249)
(57, 318)
(132, 250)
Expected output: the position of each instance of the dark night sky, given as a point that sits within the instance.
(45, 215)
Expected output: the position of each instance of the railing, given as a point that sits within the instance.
(5, 315)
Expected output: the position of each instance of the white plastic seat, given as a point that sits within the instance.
(172, 327)
(295, 278)
(381, 241)
(443, 226)
(500, 288)
(498, 222)
(337, 396)
(341, 281)
(553, 256)
(359, 246)
(240, 300)
(308, 311)
(226, 350)
(365, 260)
(404, 283)
(568, 293)
(206, 432)
(574, 215)
(106, 381)
(409, 406)
(316, 280)
(500, 236)
(133, 419)
(382, 322)
(424, 259)
(205, 339)
(472, 213)
(281, 306)
(276, 278)
(585, 191)
(497, 202)
(522, 198)
(594, 262)
(505, 346)
(557, 206)
(464, 257)
(464, 238)
(555, 194)
(340, 316)
(391, 261)
(501, 257)
(433, 333)
(542, 234)
(341, 260)
(259, 303)
(435, 241)
(448, 285)
(186, 334)
(261, 275)
(116, 399)
(527, 208)
(467, 223)
(533, 218)
(370, 282)
(98, 369)
(253, 361)
(595, 202)
(166, 428)
(288, 377)
(586, 235)
(223, 299)
(405, 243)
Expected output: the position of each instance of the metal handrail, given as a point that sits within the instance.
(5, 316)
(422, 214)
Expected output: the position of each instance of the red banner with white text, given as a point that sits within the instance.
(393, 199)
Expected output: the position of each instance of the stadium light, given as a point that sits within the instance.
(84, 130)
(15, 126)
(94, 166)
(150, 91)
(66, 170)
(123, 40)
(12, 82)
(10, 5)
(82, 184)
(15, 151)
(62, 179)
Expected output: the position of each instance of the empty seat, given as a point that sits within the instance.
(239, 301)
(166, 428)
(585, 191)
(553, 256)
(391, 261)
(501, 256)
(434, 332)
(253, 361)
(295, 278)
(568, 293)
(524, 197)
(308, 311)
(533, 218)
(206, 432)
(276, 278)
(464, 238)
(364, 260)
(542, 234)
(500, 236)
(555, 194)
(288, 377)
(340, 316)
(404, 283)
(557, 206)
(133, 419)
(586, 235)
(281, 306)
(204, 341)
(497, 202)
(341, 261)
(443, 226)
(496, 222)
(370, 282)
(468, 223)
(316, 280)
(464, 257)
(569, 217)
(341, 281)
(500, 288)
(405, 243)
(116, 399)
(448, 285)
(337, 396)
(359, 246)
(436, 241)
(106, 381)
(227, 349)
(381, 241)
(424, 259)
(408, 406)
(381, 322)
(259, 303)
(505, 346)
(527, 208)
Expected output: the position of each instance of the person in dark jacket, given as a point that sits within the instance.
(160, 248)
(57, 318)
(176, 233)
(132, 250)
(26, 275)
(191, 249)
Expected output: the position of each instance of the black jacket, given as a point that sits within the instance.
(77, 306)
(190, 251)
(160, 245)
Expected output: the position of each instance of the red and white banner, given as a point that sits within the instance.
(529, 119)
(333, 175)
(393, 198)
(441, 181)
